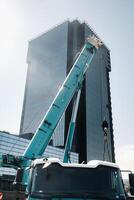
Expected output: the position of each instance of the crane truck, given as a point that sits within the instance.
(49, 178)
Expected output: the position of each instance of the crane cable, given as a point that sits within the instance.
(104, 116)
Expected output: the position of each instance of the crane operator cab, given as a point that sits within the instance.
(96, 180)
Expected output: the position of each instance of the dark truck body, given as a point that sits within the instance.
(52, 179)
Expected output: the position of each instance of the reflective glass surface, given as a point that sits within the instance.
(97, 105)
(14, 145)
(47, 59)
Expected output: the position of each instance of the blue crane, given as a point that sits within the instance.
(32, 170)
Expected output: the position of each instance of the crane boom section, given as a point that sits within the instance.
(71, 84)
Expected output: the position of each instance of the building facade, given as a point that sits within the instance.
(50, 57)
(14, 145)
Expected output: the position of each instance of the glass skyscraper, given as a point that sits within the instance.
(50, 57)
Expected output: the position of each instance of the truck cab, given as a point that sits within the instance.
(96, 180)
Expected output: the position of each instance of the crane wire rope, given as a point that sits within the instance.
(104, 114)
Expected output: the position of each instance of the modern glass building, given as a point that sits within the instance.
(14, 145)
(50, 57)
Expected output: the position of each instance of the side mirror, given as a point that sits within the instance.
(131, 182)
(18, 179)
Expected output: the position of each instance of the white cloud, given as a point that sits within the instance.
(125, 157)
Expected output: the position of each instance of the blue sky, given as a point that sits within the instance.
(113, 20)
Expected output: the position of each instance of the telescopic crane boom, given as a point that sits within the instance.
(80, 181)
(71, 86)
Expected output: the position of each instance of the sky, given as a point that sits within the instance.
(112, 20)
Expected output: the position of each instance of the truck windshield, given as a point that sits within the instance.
(57, 181)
